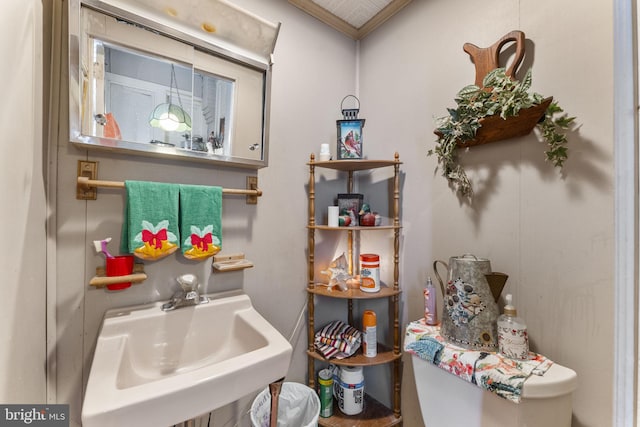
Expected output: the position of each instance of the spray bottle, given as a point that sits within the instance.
(370, 340)
(430, 305)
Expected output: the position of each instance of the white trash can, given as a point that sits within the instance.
(298, 406)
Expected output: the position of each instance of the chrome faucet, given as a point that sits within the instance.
(188, 294)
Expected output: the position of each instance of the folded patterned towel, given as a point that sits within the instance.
(337, 339)
(490, 371)
(426, 348)
(200, 221)
(150, 226)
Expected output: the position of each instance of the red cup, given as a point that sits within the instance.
(119, 266)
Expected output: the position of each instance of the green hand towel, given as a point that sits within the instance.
(150, 227)
(200, 221)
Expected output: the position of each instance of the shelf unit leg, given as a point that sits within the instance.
(397, 364)
(397, 373)
(310, 273)
(310, 338)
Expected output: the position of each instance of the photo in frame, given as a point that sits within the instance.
(349, 204)
(349, 139)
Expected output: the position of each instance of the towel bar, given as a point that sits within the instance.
(252, 191)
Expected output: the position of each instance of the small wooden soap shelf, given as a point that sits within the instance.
(231, 262)
(100, 280)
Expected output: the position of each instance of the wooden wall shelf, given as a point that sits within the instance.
(357, 227)
(385, 355)
(495, 128)
(230, 262)
(101, 280)
(375, 414)
(385, 292)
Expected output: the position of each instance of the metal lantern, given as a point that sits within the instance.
(349, 132)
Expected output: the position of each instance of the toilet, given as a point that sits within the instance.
(446, 400)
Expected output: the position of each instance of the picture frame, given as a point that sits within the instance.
(349, 139)
(350, 201)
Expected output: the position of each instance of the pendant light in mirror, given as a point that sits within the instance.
(169, 116)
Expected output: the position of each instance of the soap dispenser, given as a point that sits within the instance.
(513, 341)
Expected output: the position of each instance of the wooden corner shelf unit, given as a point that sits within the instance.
(374, 413)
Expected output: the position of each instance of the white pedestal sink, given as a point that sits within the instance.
(155, 368)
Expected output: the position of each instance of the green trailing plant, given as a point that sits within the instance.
(503, 96)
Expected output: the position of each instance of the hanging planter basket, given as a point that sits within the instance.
(497, 107)
(495, 128)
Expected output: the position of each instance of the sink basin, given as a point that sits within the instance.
(157, 368)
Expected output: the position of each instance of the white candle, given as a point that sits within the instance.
(325, 154)
(333, 216)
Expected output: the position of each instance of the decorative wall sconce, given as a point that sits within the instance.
(350, 132)
(169, 116)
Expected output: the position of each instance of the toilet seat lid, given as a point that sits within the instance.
(557, 381)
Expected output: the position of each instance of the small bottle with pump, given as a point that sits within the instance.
(513, 341)
(430, 305)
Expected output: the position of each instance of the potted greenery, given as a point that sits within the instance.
(510, 100)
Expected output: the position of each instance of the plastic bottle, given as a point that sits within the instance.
(370, 272)
(513, 341)
(370, 339)
(350, 390)
(430, 304)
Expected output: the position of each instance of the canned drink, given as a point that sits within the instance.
(325, 382)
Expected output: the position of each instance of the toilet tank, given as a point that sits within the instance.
(446, 400)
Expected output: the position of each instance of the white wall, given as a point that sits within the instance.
(551, 232)
(23, 207)
(314, 69)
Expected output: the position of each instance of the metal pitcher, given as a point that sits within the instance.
(470, 310)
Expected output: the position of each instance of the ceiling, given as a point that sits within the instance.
(356, 18)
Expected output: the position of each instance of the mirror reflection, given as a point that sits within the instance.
(147, 99)
(140, 90)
